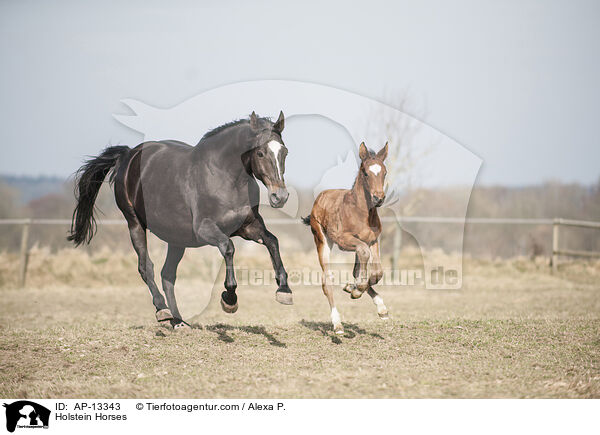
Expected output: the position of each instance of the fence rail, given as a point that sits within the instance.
(397, 242)
(557, 252)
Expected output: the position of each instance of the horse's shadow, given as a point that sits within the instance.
(351, 330)
(222, 330)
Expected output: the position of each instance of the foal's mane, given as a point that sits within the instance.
(233, 123)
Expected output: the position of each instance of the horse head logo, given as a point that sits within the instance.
(25, 413)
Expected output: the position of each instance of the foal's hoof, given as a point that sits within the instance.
(164, 314)
(355, 293)
(284, 297)
(348, 288)
(229, 308)
(384, 315)
(338, 329)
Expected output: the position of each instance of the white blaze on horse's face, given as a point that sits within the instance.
(376, 169)
(275, 147)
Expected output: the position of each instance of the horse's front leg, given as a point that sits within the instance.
(375, 275)
(228, 297)
(348, 242)
(257, 232)
(208, 231)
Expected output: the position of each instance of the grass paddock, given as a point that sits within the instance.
(512, 331)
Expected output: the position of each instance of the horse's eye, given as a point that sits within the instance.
(260, 154)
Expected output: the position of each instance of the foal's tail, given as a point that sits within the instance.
(306, 220)
(88, 181)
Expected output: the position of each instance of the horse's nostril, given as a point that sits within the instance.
(275, 198)
(278, 197)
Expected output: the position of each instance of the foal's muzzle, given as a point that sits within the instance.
(278, 198)
(377, 201)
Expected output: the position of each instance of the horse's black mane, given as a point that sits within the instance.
(220, 128)
(225, 126)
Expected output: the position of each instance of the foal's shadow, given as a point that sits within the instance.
(351, 330)
(222, 331)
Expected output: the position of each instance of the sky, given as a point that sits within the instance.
(515, 82)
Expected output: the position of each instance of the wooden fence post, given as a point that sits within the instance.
(555, 234)
(24, 255)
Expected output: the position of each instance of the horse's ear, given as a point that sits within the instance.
(363, 153)
(280, 124)
(253, 121)
(382, 154)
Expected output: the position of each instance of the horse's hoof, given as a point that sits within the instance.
(166, 324)
(284, 298)
(348, 288)
(164, 314)
(384, 315)
(355, 293)
(229, 308)
(338, 329)
(181, 326)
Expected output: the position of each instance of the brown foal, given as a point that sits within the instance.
(349, 219)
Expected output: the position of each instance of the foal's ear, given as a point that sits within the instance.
(363, 153)
(280, 124)
(253, 121)
(382, 154)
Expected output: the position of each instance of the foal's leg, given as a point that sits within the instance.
(351, 287)
(381, 308)
(146, 269)
(323, 250)
(350, 243)
(208, 231)
(168, 275)
(257, 232)
(375, 275)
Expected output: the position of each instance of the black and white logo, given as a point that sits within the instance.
(26, 414)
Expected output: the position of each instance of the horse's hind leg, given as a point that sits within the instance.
(146, 269)
(323, 251)
(168, 275)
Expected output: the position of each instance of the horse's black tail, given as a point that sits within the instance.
(306, 220)
(88, 181)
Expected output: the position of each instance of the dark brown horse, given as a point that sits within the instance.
(349, 219)
(190, 197)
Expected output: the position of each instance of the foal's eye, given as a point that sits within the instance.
(260, 154)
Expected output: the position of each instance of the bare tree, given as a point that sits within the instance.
(404, 155)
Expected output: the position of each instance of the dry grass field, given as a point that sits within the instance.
(84, 327)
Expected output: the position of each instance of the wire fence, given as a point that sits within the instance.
(556, 224)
